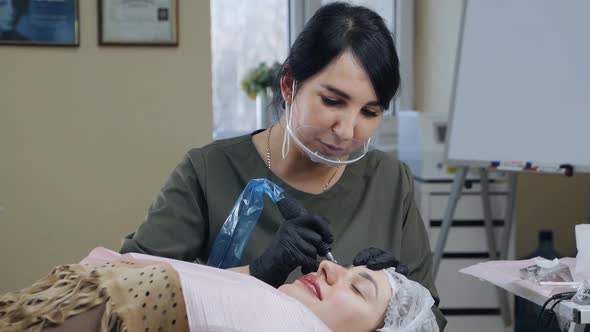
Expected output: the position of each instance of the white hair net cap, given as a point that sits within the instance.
(409, 309)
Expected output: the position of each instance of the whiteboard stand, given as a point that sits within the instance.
(456, 191)
(490, 235)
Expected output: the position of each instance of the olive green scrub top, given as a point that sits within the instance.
(372, 204)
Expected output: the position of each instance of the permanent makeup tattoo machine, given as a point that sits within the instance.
(291, 208)
(231, 241)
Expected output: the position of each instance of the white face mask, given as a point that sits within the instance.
(330, 155)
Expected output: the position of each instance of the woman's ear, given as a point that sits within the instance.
(286, 88)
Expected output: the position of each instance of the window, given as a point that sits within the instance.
(243, 34)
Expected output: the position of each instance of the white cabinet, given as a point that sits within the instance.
(468, 303)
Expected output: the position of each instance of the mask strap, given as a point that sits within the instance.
(289, 110)
(366, 145)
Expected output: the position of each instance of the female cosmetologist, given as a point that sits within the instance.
(340, 75)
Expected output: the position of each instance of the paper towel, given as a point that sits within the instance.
(582, 269)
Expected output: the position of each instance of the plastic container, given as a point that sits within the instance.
(525, 311)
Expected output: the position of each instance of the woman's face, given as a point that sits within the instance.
(339, 102)
(345, 299)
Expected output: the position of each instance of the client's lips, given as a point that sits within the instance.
(311, 282)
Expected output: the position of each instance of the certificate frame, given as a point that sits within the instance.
(40, 23)
(124, 23)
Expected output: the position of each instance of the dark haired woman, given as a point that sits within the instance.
(339, 77)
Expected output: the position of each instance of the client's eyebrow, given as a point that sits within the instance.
(370, 278)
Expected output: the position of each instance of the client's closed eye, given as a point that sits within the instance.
(357, 291)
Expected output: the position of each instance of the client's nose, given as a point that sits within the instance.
(331, 272)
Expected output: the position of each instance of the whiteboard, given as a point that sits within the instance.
(521, 90)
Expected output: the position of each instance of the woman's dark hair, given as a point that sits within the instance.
(338, 27)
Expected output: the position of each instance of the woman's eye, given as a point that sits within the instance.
(330, 101)
(356, 290)
(370, 113)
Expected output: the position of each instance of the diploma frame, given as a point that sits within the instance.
(73, 26)
(103, 24)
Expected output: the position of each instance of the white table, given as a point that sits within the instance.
(580, 315)
(504, 274)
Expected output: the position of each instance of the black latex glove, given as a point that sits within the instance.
(378, 259)
(296, 243)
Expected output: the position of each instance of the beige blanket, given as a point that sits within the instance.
(135, 295)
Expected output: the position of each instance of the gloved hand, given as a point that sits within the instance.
(378, 259)
(296, 243)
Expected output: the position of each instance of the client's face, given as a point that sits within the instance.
(346, 299)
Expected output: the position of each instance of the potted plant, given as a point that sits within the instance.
(257, 84)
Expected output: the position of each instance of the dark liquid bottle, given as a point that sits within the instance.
(525, 311)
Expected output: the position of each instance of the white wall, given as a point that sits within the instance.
(88, 135)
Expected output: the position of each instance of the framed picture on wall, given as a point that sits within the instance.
(39, 22)
(132, 22)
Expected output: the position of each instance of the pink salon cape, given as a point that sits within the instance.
(219, 300)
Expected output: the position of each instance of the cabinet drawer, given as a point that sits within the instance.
(475, 323)
(465, 238)
(458, 290)
(469, 206)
